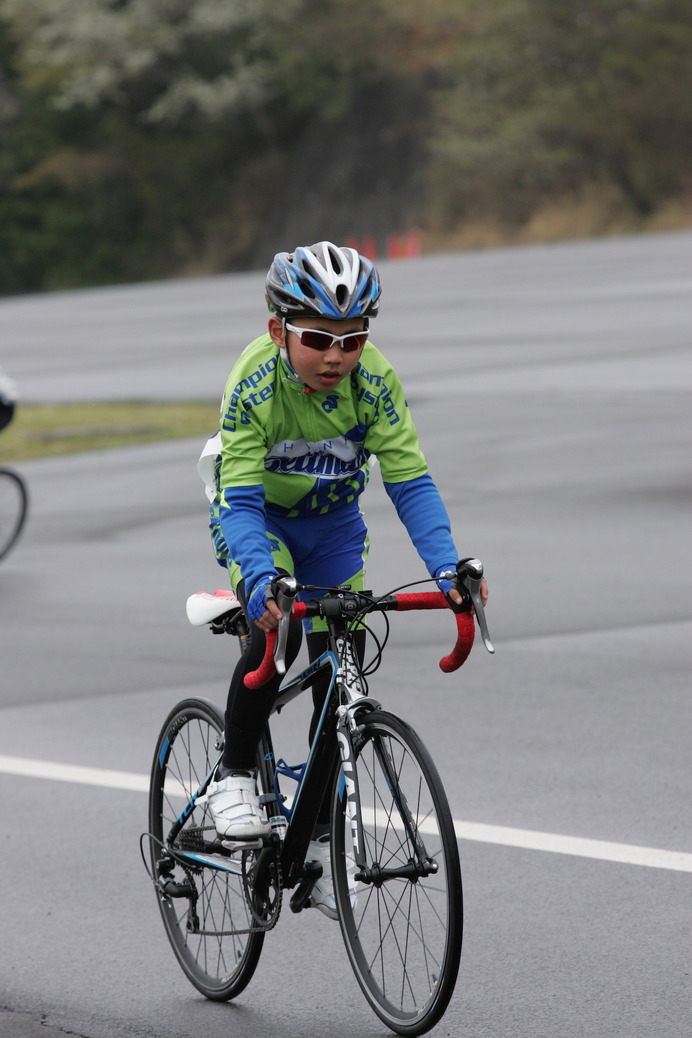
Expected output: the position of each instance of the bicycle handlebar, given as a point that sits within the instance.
(468, 576)
(465, 627)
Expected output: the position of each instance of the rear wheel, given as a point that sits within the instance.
(403, 933)
(13, 509)
(209, 924)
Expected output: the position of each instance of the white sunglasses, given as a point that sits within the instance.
(316, 339)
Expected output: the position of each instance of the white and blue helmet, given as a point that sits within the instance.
(323, 280)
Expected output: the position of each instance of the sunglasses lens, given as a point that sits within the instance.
(316, 340)
(354, 342)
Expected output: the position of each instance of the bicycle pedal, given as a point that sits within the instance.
(243, 845)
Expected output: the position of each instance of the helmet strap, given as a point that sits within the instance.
(294, 377)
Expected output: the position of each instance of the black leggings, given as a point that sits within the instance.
(248, 710)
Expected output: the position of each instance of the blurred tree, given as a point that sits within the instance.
(156, 109)
(165, 61)
(183, 131)
(149, 138)
(543, 97)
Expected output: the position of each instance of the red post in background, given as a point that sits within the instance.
(406, 245)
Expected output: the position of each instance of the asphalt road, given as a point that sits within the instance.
(552, 388)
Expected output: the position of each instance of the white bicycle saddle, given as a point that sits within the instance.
(202, 607)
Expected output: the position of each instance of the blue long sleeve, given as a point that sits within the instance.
(422, 511)
(243, 525)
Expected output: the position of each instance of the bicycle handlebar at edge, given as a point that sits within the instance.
(469, 573)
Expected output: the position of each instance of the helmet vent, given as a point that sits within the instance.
(335, 259)
(306, 288)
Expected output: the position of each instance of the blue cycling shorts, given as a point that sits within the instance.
(324, 550)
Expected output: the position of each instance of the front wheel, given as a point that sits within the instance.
(403, 927)
(207, 918)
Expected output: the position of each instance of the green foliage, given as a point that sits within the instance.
(166, 61)
(149, 138)
(543, 97)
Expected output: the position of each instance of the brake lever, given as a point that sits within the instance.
(470, 573)
(286, 589)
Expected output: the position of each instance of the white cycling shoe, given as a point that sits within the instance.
(234, 806)
(322, 895)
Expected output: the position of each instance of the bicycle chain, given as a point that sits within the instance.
(191, 838)
(276, 910)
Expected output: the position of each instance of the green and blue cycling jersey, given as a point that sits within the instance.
(286, 456)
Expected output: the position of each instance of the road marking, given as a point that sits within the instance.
(577, 846)
(74, 773)
(475, 832)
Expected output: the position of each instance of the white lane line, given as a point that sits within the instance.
(524, 839)
(580, 847)
(74, 773)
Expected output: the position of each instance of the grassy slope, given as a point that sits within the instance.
(45, 430)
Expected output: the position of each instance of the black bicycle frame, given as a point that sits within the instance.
(331, 748)
(320, 768)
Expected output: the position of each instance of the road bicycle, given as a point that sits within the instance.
(14, 505)
(392, 834)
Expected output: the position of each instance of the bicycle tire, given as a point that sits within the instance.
(403, 937)
(219, 962)
(14, 505)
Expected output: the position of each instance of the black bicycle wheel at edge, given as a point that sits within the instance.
(216, 958)
(13, 509)
(403, 934)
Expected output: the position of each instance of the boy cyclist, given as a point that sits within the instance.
(305, 407)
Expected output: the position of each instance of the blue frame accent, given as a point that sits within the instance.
(189, 807)
(327, 658)
(164, 750)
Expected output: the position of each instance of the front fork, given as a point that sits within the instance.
(348, 735)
